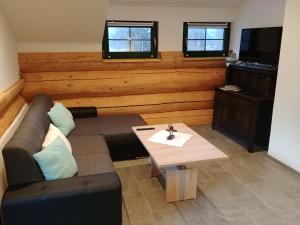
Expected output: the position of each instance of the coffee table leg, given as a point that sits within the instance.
(181, 183)
(154, 170)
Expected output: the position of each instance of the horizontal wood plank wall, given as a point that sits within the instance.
(9, 94)
(92, 61)
(190, 117)
(148, 103)
(11, 103)
(172, 89)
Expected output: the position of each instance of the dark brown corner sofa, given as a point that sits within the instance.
(91, 197)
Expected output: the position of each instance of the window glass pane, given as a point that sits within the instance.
(195, 45)
(140, 46)
(140, 33)
(214, 45)
(214, 33)
(196, 33)
(118, 33)
(126, 39)
(119, 46)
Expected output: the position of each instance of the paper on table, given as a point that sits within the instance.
(161, 138)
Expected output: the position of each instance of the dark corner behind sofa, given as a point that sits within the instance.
(91, 197)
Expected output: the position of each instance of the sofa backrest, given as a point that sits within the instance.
(20, 166)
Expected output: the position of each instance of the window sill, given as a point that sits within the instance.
(204, 58)
(131, 60)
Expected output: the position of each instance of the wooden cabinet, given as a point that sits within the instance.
(246, 114)
(256, 79)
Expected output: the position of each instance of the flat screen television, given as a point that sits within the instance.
(261, 45)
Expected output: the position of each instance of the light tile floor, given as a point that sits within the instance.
(248, 189)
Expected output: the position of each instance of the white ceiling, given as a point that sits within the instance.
(56, 21)
(185, 3)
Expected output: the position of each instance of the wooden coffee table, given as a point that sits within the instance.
(175, 164)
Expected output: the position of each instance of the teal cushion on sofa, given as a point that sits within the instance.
(56, 161)
(62, 118)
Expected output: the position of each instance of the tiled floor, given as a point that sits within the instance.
(248, 189)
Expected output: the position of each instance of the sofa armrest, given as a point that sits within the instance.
(90, 200)
(83, 112)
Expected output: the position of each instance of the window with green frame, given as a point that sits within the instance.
(205, 39)
(130, 39)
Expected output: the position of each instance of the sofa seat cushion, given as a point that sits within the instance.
(85, 145)
(91, 154)
(85, 127)
(95, 163)
(117, 128)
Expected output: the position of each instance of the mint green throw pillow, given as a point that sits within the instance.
(56, 161)
(62, 118)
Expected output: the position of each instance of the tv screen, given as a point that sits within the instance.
(261, 45)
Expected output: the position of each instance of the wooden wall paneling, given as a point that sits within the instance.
(94, 75)
(139, 100)
(171, 89)
(55, 62)
(151, 103)
(170, 107)
(9, 94)
(127, 84)
(191, 117)
(8, 115)
(95, 56)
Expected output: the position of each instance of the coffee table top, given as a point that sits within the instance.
(194, 150)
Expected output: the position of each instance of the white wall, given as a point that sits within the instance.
(64, 25)
(256, 13)
(60, 47)
(9, 66)
(170, 19)
(9, 73)
(285, 134)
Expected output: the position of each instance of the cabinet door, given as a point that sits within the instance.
(222, 110)
(243, 112)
